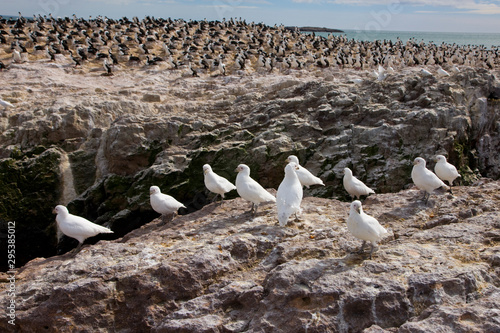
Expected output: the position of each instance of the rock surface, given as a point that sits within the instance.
(221, 270)
(115, 136)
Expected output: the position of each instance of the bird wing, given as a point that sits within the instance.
(360, 186)
(80, 228)
(366, 227)
(446, 171)
(307, 178)
(429, 180)
(5, 103)
(223, 183)
(252, 191)
(164, 203)
(171, 202)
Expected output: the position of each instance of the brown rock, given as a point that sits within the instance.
(221, 270)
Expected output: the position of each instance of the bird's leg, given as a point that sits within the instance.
(252, 208)
(214, 199)
(373, 247)
(255, 209)
(163, 219)
(362, 247)
(426, 197)
(77, 249)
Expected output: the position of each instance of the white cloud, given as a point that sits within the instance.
(463, 6)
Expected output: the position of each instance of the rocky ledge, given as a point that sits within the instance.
(220, 269)
(98, 143)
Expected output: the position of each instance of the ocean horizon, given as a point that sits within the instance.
(487, 40)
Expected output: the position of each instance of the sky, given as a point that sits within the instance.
(371, 15)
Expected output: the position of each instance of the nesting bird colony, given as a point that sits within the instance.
(216, 47)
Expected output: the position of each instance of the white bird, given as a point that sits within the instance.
(216, 183)
(289, 195)
(5, 104)
(76, 226)
(445, 170)
(425, 72)
(354, 186)
(380, 73)
(442, 72)
(425, 179)
(364, 227)
(249, 189)
(163, 204)
(306, 178)
(16, 56)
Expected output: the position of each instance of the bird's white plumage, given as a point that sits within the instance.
(425, 72)
(442, 72)
(380, 74)
(76, 226)
(216, 183)
(445, 170)
(354, 186)
(163, 203)
(306, 178)
(5, 104)
(423, 178)
(16, 56)
(249, 189)
(364, 226)
(289, 195)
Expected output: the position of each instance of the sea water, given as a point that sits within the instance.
(488, 40)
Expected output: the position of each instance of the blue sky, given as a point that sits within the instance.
(406, 15)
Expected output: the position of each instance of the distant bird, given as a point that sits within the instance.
(76, 60)
(215, 183)
(445, 170)
(306, 178)
(16, 56)
(108, 67)
(249, 189)
(163, 204)
(442, 72)
(289, 196)
(425, 179)
(76, 226)
(354, 186)
(5, 104)
(364, 227)
(425, 72)
(380, 73)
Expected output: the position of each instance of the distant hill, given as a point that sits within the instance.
(313, 29)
